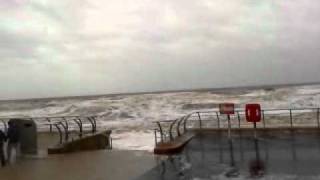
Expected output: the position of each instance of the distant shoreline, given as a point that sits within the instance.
(238, 88)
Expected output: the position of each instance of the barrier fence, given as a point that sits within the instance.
(64, 125)
(167, 130)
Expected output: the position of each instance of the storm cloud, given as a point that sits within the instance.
(72, 47)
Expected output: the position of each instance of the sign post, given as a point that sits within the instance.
(253, 114)
(227, 109)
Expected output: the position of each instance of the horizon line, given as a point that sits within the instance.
(249, 87)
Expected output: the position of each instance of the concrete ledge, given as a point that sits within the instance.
(175, 146)
(91, 142)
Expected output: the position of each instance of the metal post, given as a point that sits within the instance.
(94, 122)
(78, 122)
(238, 119)
(81, 126)
(161, 132)
(178, 126)
(291, 124)
(263, 120)
(185, 125)
(318, 117)
(66, 127)
(48, 119)
(229, 127)
(60, 133)
(200, 122)
(92, 125)
(170, 130)
(218, 120)
(155, 136)
(255, 130)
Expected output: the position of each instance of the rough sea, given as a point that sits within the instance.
(131, 117)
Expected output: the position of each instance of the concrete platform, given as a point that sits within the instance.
(271, 156)
(91, 165)
(88, 165)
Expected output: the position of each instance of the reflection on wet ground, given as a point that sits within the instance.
(211, 156)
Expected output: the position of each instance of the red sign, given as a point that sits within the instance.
(253, 112)
(226, 108)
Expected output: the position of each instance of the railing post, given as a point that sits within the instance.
(263, 120)
(66, 137)
(49, 121)
(78, 122)
(60, 133)
(229, 126)
(200, 121)
(110, 139)
(291, 123)
(185, 122)
(92, 125)
(238, 119)
(178, 126)
(155, 136)
(318, 117)
(160, 129)
(170, 130)
(185, 125)
(218, 118)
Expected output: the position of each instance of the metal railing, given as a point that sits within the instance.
(169, 129)
(166, 131)
(62, 124)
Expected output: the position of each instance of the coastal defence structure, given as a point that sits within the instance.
(172, 135)
(285, 144)
(66, 133)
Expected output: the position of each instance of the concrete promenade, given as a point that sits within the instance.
(211, 156)
(89, 165)
(94, 165)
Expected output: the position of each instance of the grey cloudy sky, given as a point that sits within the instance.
(74, 47)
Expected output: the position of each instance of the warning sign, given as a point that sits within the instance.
(226, 108)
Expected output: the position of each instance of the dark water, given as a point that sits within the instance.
(209, 156)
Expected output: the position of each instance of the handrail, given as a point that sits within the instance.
(197, 115)
(270, 109)
(61, 123)
(44, 117)
(164, 121)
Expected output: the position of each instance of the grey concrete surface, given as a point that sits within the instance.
(90, 165)
(210, 156)
(93, 165)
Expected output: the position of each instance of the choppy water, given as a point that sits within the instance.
(132, 115)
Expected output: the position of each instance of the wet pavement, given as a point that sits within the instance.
(94, 165)
(90, 165)
(212, 156)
